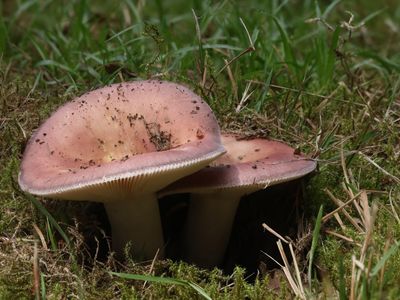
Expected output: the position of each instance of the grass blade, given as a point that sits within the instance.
(384, 258)
(49, 217)
(50, 235)
(289, 56)
(42, 286)
(165, 280)
(330, 8)
(314, 242)
(3, 34)
(342, 281)
(200, 43)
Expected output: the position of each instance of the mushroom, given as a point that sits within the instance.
(119, 145)
(249, 165)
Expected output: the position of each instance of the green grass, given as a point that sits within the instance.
(317, 82)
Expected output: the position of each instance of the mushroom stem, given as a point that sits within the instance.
(137, 221)
(208, 227)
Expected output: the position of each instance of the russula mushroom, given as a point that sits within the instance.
(119, 145)
(249, 165)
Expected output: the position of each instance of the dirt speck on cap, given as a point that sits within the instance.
(200, 134)
(160, 139)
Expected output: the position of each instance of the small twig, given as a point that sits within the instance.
(349, 191)
(266, 227)
(345, 213)
(249, 49)
(295, 287)
(246, 95)
(339, 220)
(96, 253)
(36, 272)
(367, 241)
(41, 236)
(348, 25)
(22, 129)
(343, 237)
(291, 89)
(344, 167)
(321, 20)
(366, 209)
(273, 259)
(285, 269)
(359, 264)
(379, 167)
(248, 34)
(14, 240)
(296, 268)
(370, 230)
(152, 266)
(329, 215)
(232, 80)
(393, 208)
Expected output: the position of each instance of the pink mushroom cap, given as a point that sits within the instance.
(133, 137)
(248, 165)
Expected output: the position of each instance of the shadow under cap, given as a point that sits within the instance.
(248, 166)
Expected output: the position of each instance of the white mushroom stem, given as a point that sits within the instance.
(136, 220)
(208, 227)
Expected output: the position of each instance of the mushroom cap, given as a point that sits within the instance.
(134, 137)
(248, 165)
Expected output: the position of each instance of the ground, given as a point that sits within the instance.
(320, 76)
